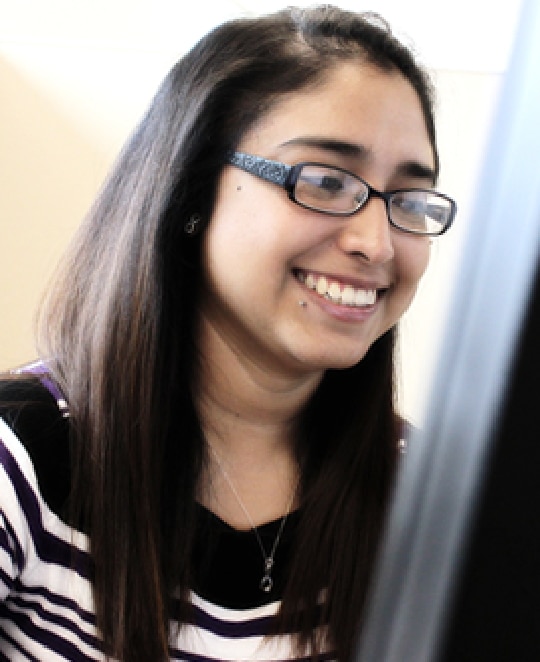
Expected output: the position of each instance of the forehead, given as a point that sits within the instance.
(354, 103)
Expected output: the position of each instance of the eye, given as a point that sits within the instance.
(331, 184)
(409, 205)
(323, 183)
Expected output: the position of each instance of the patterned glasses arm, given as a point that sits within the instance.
(271, 171)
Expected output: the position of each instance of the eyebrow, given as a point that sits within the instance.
(417, 170)
(342, 148)
(339, 147)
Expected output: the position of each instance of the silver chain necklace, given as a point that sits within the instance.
(266, 584)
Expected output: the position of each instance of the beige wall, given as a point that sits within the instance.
(49, 170)
(70, 94)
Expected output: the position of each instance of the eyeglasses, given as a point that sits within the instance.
(338, 192)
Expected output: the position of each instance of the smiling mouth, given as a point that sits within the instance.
(339, 293)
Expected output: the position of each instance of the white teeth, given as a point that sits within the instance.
(348, 296)
(359, 298)
(334, 293)
(365, 297)
(321, 286)
(310, 281)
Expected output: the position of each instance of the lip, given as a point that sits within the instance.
(341, 312)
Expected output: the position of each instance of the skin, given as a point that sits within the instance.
(263, 353)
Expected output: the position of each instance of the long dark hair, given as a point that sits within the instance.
(119, 330)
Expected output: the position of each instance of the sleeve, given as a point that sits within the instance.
(17, 506)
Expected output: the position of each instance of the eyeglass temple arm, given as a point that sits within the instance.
(271, 171)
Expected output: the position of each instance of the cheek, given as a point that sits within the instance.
(412, 258)
(241, 253)
(241, 221)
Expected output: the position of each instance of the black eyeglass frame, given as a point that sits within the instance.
(287, 176)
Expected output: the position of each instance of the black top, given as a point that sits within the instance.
(229, 565)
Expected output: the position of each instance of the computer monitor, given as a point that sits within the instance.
(459, 573)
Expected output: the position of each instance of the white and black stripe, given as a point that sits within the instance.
(45, 588)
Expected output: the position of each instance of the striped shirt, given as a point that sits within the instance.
(46, 592)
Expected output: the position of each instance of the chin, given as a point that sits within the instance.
(345, 363)
(341, 362)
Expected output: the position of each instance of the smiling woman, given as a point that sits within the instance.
(220, 345)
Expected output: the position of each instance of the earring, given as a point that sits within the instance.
(192, 225)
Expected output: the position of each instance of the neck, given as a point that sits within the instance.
(243, 402)
(249, 415)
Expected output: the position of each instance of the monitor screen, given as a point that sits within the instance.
(458, 577)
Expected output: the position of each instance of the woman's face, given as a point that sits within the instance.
(260, 248)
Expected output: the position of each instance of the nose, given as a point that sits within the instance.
(368, 233)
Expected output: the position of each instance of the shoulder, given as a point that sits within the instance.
(31, 412)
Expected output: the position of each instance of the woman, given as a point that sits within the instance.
(222, 333)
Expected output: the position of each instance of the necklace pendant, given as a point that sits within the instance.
(266, 583)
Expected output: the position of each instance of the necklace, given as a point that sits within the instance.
(266, 584)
